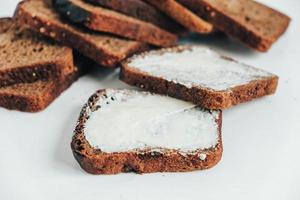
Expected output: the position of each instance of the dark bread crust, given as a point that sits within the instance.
(5, 24)
(183, 16)
(92, 45)
(243, 31)
(104, 20)
(28, 73)
(200, 96)
(95, 161)
(141, 10)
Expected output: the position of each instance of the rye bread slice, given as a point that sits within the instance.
(105, 49)
(253, 23)
(182, 15)
(143, 11)
(26, 57)
(105, 20)
(204, 152)
(199, 75)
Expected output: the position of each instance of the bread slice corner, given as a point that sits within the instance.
(195, 142)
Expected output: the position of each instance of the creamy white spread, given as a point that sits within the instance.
(198, 66)
(137, 120)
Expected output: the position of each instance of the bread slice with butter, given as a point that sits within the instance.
(199, 75)
(131, 131)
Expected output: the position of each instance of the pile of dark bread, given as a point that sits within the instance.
(36, 45)
(49, 44)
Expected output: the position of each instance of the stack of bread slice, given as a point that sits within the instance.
(116, 29)
(103, 48)
(33, 69)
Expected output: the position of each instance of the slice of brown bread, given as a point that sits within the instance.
(32, 97)
(182, 15)
(253, 23)
(36, 96)
(199, 75)
(104, 20)
(143, 11)
(26, 57)
(105, 49)
(151, 133)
